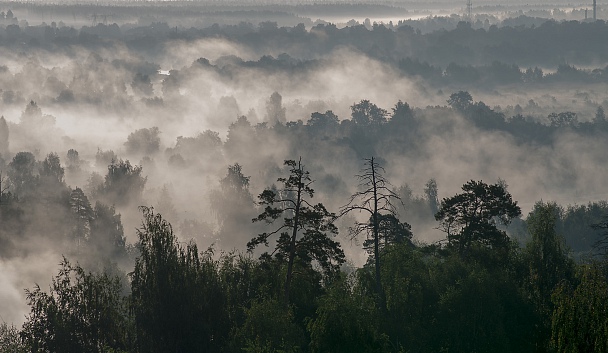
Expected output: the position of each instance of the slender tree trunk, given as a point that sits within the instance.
(292, 244)
(376, 228)
(2, 190)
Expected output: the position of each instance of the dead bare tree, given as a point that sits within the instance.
(375, 197)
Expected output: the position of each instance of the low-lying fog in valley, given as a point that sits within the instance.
(509, 96)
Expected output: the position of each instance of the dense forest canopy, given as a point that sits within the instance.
(302, 177)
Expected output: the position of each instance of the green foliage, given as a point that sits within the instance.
(546, 256)
(233, 207)
(105, 158)
(177, 299)
(485, 297)
(165, 205)
(346, 321)
(143, 141)
(480, 310)
(83, 312)
(582, 226)
(367, 114)
(82, 213)
(461, 101)
(580, 317)
(305, 232)
(245, 280)
(411, 297)
(107, 233)
(51, 171)
(600, 246)
(73, 161)
(323, 124)
(122, 184)
(470, 218)
(10, 341)
(439, 303)
(235, 181)
(376, 198)
(390, 231)
(402, 114)
(563, 119)
(23, 174)
(436, 300)
(269, 327)
(432, 195)
(275, 112)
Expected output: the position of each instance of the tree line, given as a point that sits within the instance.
(478, 290)
(37, 188)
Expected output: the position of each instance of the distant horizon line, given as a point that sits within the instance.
(393, 3)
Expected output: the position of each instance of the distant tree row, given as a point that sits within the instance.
(535, 43)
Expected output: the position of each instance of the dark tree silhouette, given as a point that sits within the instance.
(83, 214)
(402, 114)
(461, 101)
(431, 193)
(299, 216)
(579, 322)
(51, 171)
(23, 174)
(233, 206)
(601, 244)
(323, 124)
(176, 296)
(143, 141)
(236, 185)
(275, 112)
(123, 183)
(600, 116)
(83, 312)
(366, 113)
(105, 158)
(390, 231)
(4, 133)
(73, 160)
(107, 233)
(563, 119)
(375, 198)
(470, 218)
(547, 260)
